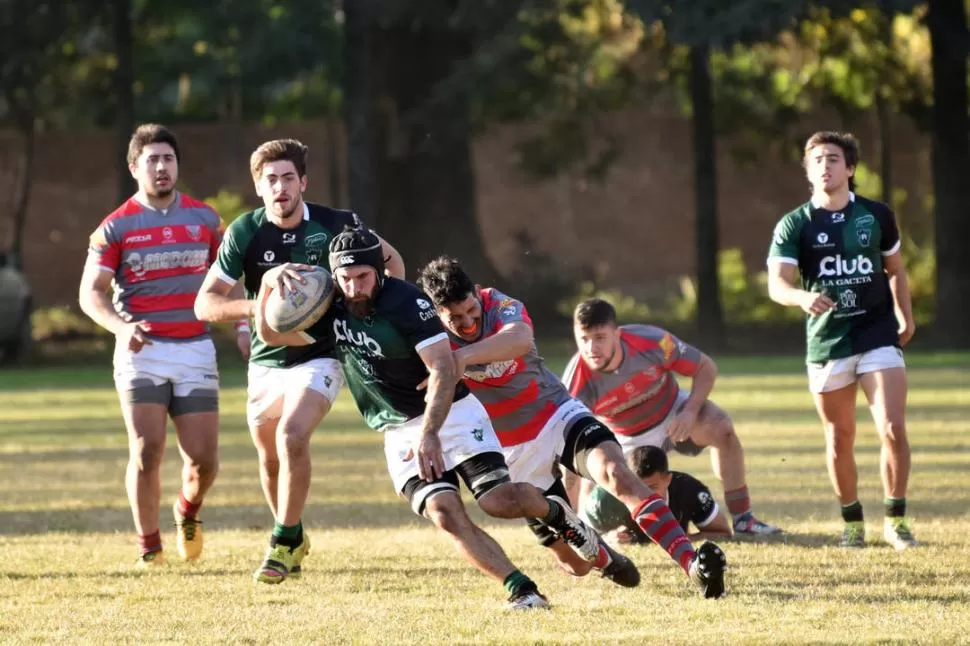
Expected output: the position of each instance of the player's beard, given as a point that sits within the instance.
(286, 213)
(360, 306)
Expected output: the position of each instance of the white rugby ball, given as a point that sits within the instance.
(296, 311)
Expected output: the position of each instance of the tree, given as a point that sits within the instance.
(947, 21)
(124, 80)
(38, 50)
(409, 107)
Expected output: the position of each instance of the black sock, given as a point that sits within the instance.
(852, 513)
(895, 507)
(556, 516)
(518, 582)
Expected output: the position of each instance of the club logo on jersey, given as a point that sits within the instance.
(838, 266)
(494, 370)
(194, 231)
(314, 245)
(167, 235)
(865, 237)
(668, 346)
(426, 313)
(704, 498)
(269, 256)
(360, 339)
(191, 259)
(423, 304)
(479, 434)
(289, 238)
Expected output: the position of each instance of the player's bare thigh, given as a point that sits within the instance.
(712, 427)
(836, 408)
(886, 392)
(144, 408)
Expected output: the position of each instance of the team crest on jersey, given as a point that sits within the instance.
(168, 236)
(865, 237)
(314, 245)
(194, 231)
(667, 345)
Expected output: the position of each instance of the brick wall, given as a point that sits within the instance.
(636, 228)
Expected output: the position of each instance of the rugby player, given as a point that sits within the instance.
(855, 294)
(689, 499)
(153, 252)
(625, 374)
(541, 427)
(290, 390)
(389, 340)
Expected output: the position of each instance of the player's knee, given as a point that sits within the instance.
(146, 456)
(506, 501)
(295, 439)
(206, 466)
(446, 518)
(894, 434)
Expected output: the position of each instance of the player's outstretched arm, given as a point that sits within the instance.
(219, 300)
(511, 342)
(899, 285)
(442, 377)
(717, 528)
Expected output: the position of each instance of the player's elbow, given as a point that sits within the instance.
(202, 306)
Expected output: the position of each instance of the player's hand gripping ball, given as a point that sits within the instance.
(295, 311)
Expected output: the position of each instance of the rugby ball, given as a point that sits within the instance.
(296, 311)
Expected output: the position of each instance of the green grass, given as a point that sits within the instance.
(378, 574)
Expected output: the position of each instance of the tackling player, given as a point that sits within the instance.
(540, 426)
(389, 340)
(625, 374)
(153, 252)
(855, 293)
(290, 390)
(689, 499)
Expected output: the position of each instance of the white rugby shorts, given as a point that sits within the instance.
(839, 373)
(188, 365)
(268, 385)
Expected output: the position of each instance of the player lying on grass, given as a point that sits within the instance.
(389, 340)
(541, 427)
(689, 499)
(625, 374)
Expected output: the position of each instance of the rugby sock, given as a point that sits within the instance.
(603, 559)
(188, 509)
(516, 581)
(895, 507)
(852, 513)
(148, 543)
(556, 516)
(654, 518)
(738, 501)
(288, 535)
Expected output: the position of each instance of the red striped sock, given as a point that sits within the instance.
(188, 509)
(738, 501)
(150, 542)
(603, 559)
(653, 516)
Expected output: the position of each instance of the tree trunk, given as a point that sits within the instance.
(124, 79)
(410, 143)
(951, 161)
(884, 117)
(26, 177)
(710, 317)
(360, 107)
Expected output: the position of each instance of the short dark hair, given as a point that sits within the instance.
(279, 150)
(594, 312)
(445, 282)
(150, 133)
(844, 140)
(646, 461)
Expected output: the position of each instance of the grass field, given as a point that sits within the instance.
(379, 575)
